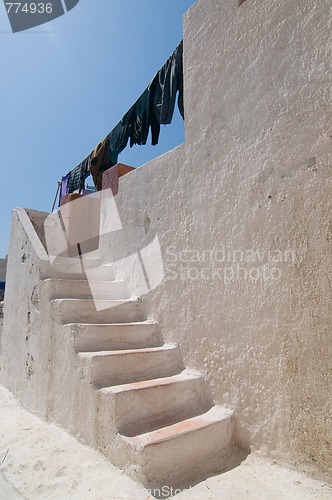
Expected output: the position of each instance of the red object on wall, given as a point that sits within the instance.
(111, 176)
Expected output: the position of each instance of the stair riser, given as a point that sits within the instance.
(158, 406)
(103, 273)
(109, 290)
(184, 459)
(90, 341)
(70, 275)
(106, 371)
(77, 289)
(85, 312)
(76, 271)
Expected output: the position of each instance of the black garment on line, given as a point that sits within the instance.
(119, 136)
(143, 117)
(154, 107)
(165, 85)
(135, 124)
(78, 176)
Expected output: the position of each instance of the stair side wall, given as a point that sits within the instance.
(25, 342)
(254, 175)
(38, 362)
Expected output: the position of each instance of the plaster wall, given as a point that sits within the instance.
(38, 362)
(242, 211)
(25, 344)
(38, 358)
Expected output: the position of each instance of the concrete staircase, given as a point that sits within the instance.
(158, 415)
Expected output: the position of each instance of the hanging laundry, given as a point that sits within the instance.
(119, 136)
(142, 118)
(165, 85)
(78, 176)
(154, 107)
(64, 186)
(135, 124)
(102, 158)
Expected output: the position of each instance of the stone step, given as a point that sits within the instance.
(82, 289)
(158, 402)
(77, 268)
(117, 336)
(96, 311)
(187, 452)
(76, 262)
(109, 368)
(105, 272)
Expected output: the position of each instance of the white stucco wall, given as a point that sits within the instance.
(38, 362)
(242, 215)
(254, 175)
(25, 337)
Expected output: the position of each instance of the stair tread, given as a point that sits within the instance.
(145, 384)
(132, 299)
(76, 261)
(82, 280)
(212, 416)
(88, 257)
(98, 354)
(115, 325)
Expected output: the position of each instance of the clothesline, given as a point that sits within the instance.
(153, 108)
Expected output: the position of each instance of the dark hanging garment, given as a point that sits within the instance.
(142, 118)
(118, 137)
(77, 176)
(135, 125)
(154, 107)
(101, 159)
(165, 85)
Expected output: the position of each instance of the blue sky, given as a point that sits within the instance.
(64, 85)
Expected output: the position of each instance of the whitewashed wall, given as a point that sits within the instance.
(252, 186)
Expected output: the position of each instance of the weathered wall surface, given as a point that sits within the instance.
(38, 362)
(242, 211)
(25, 344)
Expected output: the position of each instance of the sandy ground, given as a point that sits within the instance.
(41, 461)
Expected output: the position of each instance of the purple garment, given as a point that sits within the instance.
(64, 186)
